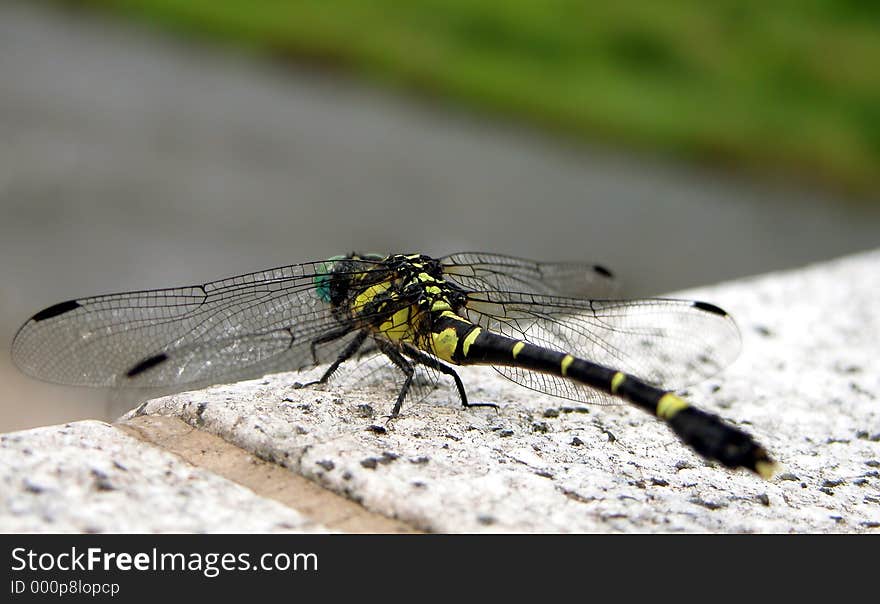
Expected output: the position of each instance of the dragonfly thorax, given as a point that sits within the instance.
(398, 297)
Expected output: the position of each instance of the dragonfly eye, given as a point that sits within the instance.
(322, 277)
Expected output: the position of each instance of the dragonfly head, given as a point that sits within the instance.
(324, 272)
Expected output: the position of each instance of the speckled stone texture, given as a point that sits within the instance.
(91, 477)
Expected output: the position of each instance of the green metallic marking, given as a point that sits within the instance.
(469, 339)
(567, 360)
(517, 348)
(322, 277)
(669, 405)
(617, 381)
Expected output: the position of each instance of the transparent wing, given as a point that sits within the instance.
(226, 360)
(668, 343)
(304, 345)
(481, 271)
(93, 341)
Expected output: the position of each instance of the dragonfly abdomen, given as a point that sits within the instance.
(706, 433)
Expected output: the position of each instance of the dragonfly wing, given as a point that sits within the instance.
(92, 341)
(665, 342)
(230, 359)
(481, 271)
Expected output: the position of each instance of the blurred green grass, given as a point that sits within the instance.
(781, 88)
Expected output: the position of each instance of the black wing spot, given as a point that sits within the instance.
(55, 310)
(147, 363)
(710, 308)
(602, 270)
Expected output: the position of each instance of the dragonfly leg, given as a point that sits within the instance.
(328, 337)
(420, 357)
(346, 354)
(405, 366)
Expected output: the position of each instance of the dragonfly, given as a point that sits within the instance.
(554, 327)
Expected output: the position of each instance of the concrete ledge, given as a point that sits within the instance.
(91, 477)
(806, 386)
(269, 480)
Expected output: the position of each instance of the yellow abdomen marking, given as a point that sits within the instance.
(669, 405)
(616, 381)
(567, 360)
(517, 348)
(469, 339)
(444, 343)
(766, 469)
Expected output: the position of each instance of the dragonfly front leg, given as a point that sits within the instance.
(348, 352)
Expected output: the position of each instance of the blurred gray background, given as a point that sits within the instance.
(133, 159)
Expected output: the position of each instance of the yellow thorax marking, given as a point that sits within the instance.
(669, 405)
(398, 326)
(369, 294)
(451, 315)
(441, 305)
